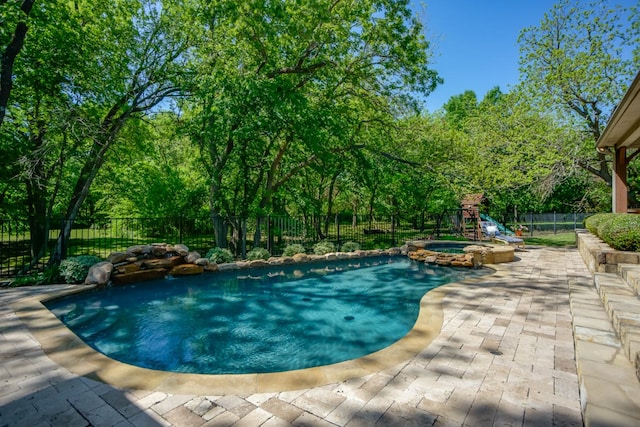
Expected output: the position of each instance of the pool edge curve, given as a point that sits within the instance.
(62, 346)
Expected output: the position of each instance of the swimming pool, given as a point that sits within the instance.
(257, 321)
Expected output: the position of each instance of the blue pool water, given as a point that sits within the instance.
(256, 321)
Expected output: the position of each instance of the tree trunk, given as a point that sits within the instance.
(8, 58)
(38, 222)
(80, 193)
(332, 185)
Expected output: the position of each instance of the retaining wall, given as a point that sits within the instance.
(600, 257)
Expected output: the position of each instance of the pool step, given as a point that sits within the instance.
(619, 295)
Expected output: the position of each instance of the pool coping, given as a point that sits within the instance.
(69, 351)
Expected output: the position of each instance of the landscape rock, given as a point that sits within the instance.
(181, 249)
(99, 274)
(258, 263)
(186, 270)
(138, 276)
(162, 262)
(301, 258)
(127, 268)
(118, 257)
(154, 261)
(158, 249)
(210, 266)
(139, 249)
(192, 257)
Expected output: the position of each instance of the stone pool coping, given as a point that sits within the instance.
(69, 351)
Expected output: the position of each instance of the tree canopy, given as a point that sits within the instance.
(579, 61)
(236, 109)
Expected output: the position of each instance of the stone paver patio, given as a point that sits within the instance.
(505, 356)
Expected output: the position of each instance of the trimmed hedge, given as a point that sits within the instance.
(593, 222)
(621, 231)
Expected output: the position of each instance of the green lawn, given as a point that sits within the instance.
(563, 239)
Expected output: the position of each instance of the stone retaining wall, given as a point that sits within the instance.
(600, 257)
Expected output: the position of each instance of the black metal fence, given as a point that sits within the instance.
(102, 236)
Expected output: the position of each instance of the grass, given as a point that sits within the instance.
(562, 240)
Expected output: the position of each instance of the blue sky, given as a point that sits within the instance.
(475, 42)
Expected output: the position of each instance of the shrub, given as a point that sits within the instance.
(594, 221)
(293, 249)
(46, 277)
(219, 255)
(75, 269)
(350, 247)
(322, 248)
(621, 232)
(258, 253)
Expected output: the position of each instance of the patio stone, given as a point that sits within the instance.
(504, 355)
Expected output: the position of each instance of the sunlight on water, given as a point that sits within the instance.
(273, 320)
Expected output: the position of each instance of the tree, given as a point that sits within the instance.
(12, 44)
(284, 87)
(519, 154)
(460, 107)
(578, 61)
(88, 71)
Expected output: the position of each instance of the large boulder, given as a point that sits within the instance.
(181, 249)
(158, 249)
(227, 266)
(118, 257)
(258, 263)
(99, 274)
(127, 268)
(186, 270)
(210, 266)
(299, 258)
(162, 262)
(192, 257)
(139, 249)
(138, 276)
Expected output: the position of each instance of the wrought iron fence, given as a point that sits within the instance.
(102, 236)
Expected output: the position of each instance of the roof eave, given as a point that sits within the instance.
(623, 128)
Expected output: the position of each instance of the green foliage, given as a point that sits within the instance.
(621, 231)
(578, 62)
(295, 248)
(324, 247)
(258, 253)
(75, 269)
(593, 222)
(300, 89)
(350, 247)
(48, 276)
(219, 255)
